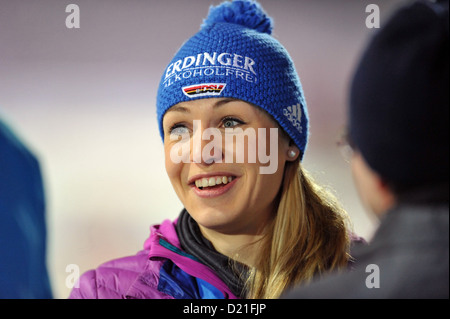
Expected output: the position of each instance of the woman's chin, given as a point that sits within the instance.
(213, 218)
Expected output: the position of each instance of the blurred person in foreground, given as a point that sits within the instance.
(23, 270)
(398, 130)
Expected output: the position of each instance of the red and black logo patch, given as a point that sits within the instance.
(203, 89)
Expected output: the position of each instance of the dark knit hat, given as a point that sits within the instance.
(399, 101)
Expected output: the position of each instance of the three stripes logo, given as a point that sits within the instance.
(203, 89)
(294, 115)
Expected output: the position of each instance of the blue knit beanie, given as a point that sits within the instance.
(234, 55)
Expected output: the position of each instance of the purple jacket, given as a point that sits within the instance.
(162, 270)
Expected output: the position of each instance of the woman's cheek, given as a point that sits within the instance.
(173, 167)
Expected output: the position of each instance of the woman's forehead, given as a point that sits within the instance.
(215, 103)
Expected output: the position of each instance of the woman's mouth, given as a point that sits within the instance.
(212, 181)
(213, 186)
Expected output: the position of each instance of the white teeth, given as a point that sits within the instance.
(212, 181)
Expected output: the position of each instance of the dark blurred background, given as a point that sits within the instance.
(84, 101)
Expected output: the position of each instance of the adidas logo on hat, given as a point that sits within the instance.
(294, 115)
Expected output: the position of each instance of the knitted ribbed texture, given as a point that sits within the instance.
(233, 55)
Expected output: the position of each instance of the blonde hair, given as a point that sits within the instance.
(307, 237)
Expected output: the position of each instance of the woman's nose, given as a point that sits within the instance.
(206, 146)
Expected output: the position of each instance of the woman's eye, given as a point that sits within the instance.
(231, 122)
(178, 129)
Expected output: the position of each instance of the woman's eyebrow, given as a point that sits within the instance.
(178, 108)
(223, 102)
(183, 109)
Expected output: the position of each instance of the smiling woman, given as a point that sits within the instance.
(242, 203)
(244, 232)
